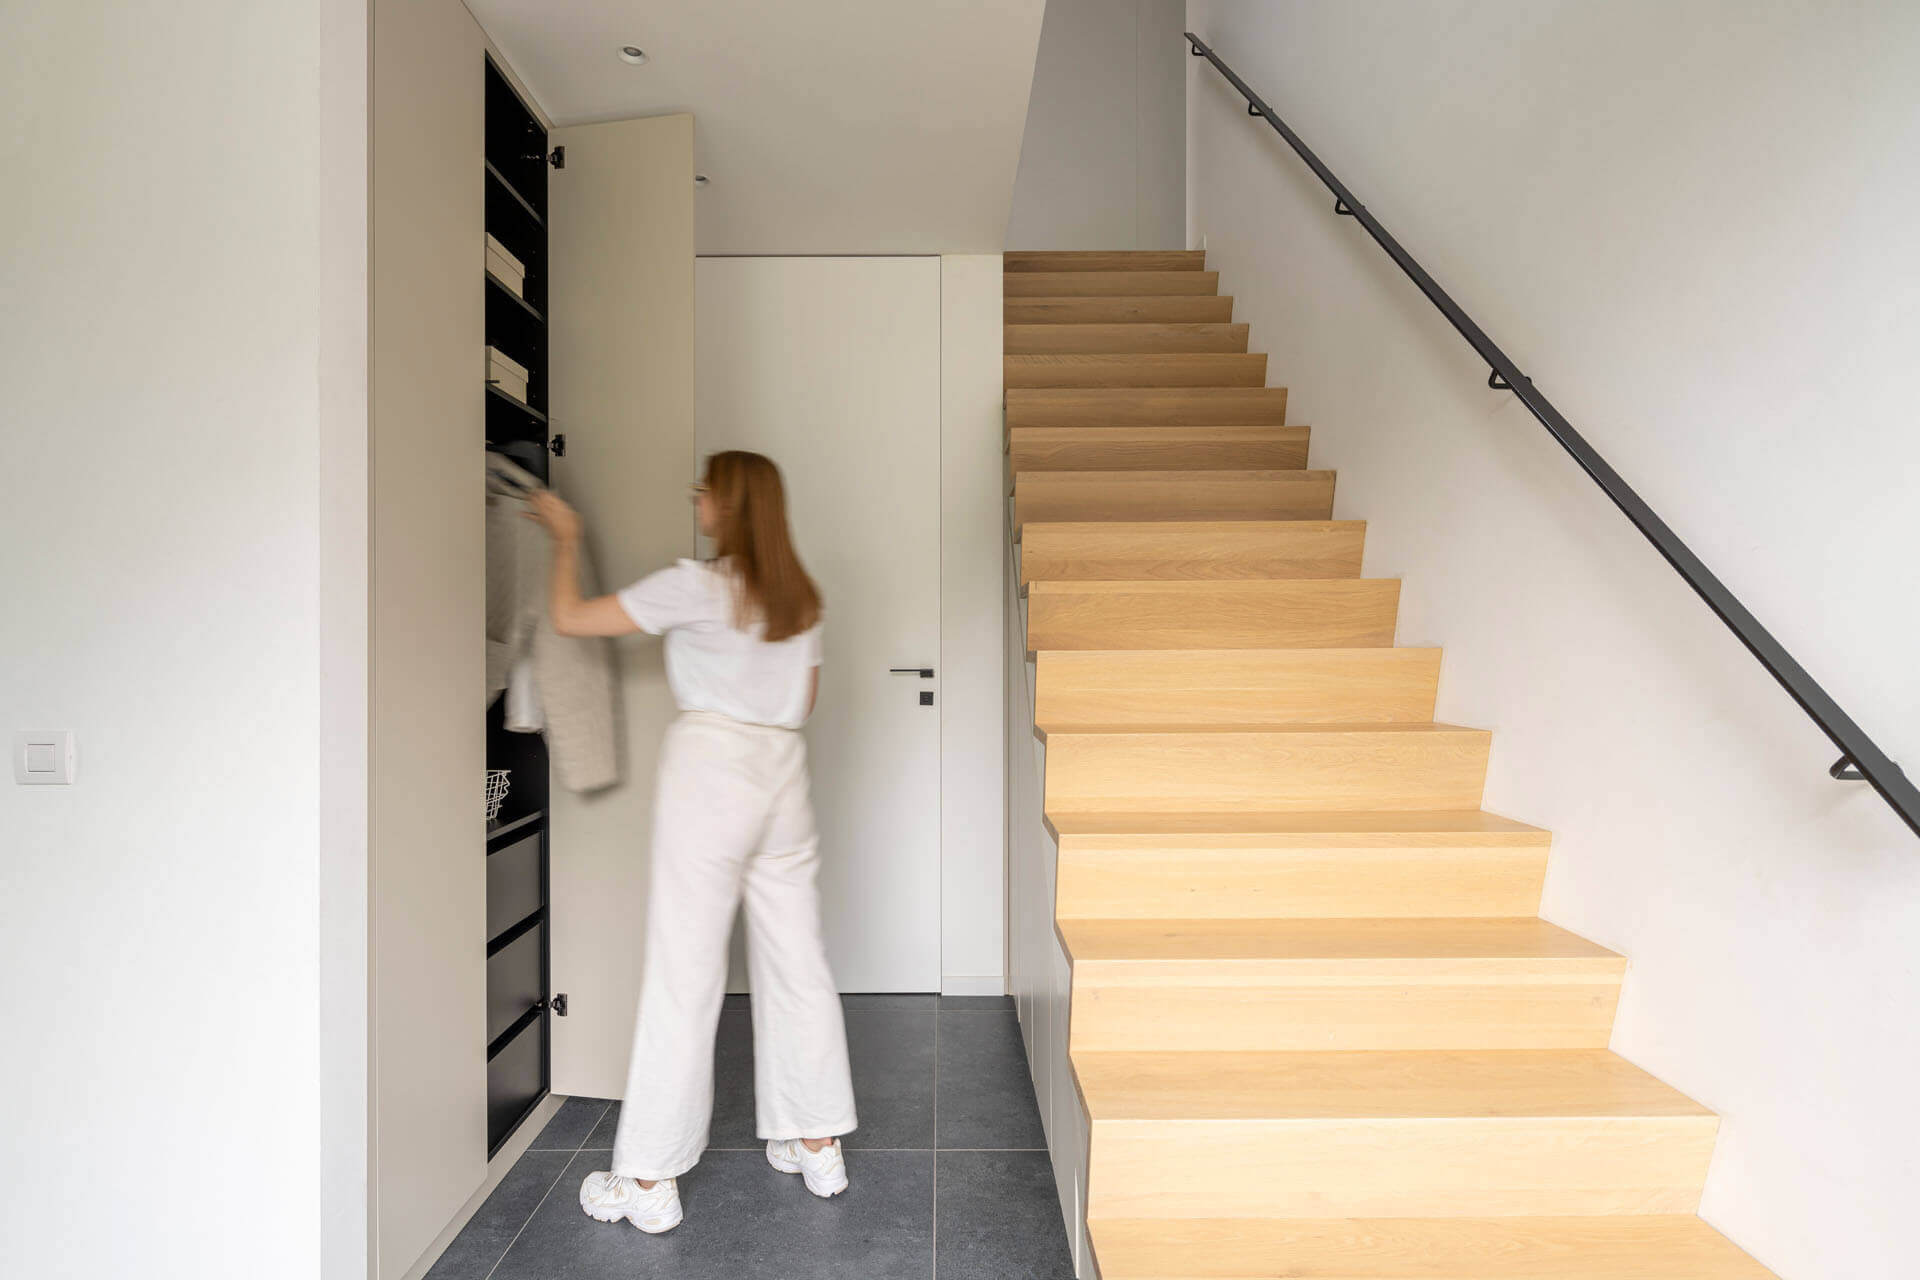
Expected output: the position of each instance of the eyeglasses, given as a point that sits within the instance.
(696, 489)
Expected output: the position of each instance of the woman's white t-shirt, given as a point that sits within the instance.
(713, 665)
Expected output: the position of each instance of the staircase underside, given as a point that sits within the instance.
(1317, 1026)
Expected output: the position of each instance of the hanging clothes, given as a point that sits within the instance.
(559, 686)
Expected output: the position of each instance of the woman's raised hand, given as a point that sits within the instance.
(554, 515)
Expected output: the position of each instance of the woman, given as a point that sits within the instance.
(732, 819)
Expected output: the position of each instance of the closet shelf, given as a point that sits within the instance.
(524, 822)
(519, 199)
(500, 287)
(521, 405)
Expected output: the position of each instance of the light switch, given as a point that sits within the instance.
(43, 758)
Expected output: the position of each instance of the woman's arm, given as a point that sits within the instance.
(572, 614)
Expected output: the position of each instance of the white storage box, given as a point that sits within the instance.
(506, 373)
(506, 268)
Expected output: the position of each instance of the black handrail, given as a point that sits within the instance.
(1860, 757)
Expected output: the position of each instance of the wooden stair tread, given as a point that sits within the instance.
(1017, 260)
(1190, 550)
(1426, 1084)
(1304, 829)
(1614, 1247)
(1466, 938)
(1156, 448)
(1070, 284)
(1134, 337)
(1257, 730)
(1166, 308)
(1100, 689)
(1132, 496)
(1225, 613)
(1144, 406)
(1185, 369)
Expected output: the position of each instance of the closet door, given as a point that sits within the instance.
(620, 320)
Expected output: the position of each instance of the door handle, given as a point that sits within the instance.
(925, 673)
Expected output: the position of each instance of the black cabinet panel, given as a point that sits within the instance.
(518, 1031)
(516, 979)
(513, 885)
(516, 1080)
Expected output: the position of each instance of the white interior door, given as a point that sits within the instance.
(831, 367)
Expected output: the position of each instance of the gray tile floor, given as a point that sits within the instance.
(950, 1172)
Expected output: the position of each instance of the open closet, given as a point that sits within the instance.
(520, 1003)
(522, 309)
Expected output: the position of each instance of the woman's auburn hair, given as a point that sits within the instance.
(770, 584)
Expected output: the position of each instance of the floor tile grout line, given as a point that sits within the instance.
(577, 1151)
(934, 1238)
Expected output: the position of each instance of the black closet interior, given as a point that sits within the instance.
(519, 1012)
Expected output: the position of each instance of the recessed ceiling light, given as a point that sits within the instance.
(634, 54)
(700, 179)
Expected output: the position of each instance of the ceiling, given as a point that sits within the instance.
(824, 126)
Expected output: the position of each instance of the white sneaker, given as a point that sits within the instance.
(825, 1170)
(608, 1197)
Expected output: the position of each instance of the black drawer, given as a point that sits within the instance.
(516, 1079)
(515, 981)
(513, 885)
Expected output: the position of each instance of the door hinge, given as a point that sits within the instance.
(559, 1004)
(559, 158)
(558, 445)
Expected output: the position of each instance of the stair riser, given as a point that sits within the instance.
(1083, 449)
(1423, 1167)
(1344, 1009)
(1309, 686)
(1146, 407)
(1197, 882)
(1280, 772)
(1026, 260)
(1201, 370)
(1073, 496)
(1120, 339)
(1212, 551)
(1110, 284)
(1329, 614)
(1169, 309)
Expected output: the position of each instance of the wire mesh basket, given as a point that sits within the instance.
(497, 784)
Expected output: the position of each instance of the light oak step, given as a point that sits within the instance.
(1316, 865)
(1018, 260)
(1199, 369)
(1172, 495)
(1304, 767)
(1305, 613)
(1157, 448)
(1191, 549)
(1387, 1135)
(1170, 308)
(1349, 984)
(1110, 284)
(1249, 687)
(1121, 339)
(1145, 406)
(1621, 1247)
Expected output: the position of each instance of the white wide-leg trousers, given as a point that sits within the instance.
(732, 822)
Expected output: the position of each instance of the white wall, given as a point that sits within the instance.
(1692, 225)
(1104, 150)
(166, 424)
(972, 750)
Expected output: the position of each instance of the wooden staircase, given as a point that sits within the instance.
(1317, 1027)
